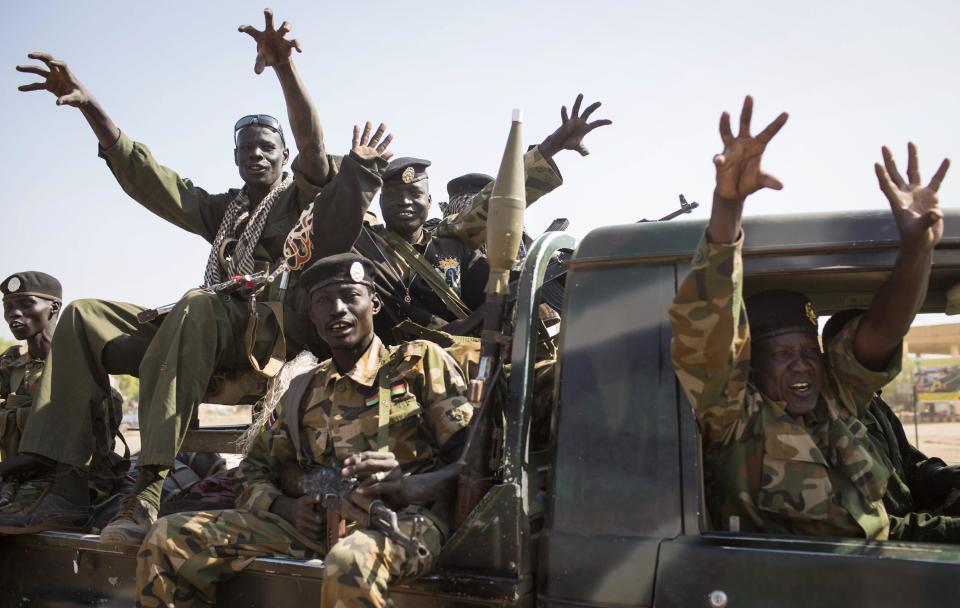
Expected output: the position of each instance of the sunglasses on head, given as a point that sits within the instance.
(263, 120)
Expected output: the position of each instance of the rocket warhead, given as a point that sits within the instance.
(507, 205)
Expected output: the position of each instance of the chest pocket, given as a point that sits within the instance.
(316, 433)
(795, 480)
(393, 423)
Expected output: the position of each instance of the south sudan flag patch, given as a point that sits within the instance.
(373, 398)
(398, 390)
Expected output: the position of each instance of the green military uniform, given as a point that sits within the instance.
(19, 378)
(19, 375)
(175, 356)
(766, 471)
(184, 555)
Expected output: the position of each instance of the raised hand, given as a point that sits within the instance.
(569, 135)
(58, 79)
(273, 48)
(915, 207)
(367, 147)
(738, 167)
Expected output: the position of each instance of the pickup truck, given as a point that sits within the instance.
(623, 521)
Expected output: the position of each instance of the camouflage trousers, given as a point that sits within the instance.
(183, 557)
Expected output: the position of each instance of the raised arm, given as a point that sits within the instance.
(274, 50)
(711, 341)
(916, 211)
(69, 91)
(738, 172)
(542, 174)
(156, 187)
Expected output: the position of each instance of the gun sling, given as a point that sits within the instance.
(278, 356)
(428, 273)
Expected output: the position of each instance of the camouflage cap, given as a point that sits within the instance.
(406, 170)
(32, 283)
(471, 183)
(778, 311)
(337, 269)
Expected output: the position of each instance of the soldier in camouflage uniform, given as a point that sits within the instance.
(176, 356)
(31, 305)
(785, 447)
(393, 417)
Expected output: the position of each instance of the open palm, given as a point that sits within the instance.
(738, 166)
(915, 207)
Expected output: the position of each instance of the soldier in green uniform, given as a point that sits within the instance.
(31, 306)
(785, 446)
(176, 356)
(393, 417)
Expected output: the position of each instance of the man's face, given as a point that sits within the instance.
(405, 206)
(789, 368)
(343, 314)
(260, 155)
(27, 316)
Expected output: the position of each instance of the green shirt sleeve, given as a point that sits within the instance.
(470, 225)
(258, 476)
(855, 383)
(162, 191)
(710, 347)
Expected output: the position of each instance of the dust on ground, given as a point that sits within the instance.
(940, 439)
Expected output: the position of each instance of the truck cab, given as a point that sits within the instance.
(623, 521)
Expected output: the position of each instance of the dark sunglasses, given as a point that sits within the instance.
(263, 120)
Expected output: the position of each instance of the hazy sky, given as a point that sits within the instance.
(444, 76)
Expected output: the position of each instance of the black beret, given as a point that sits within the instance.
(471, 183)
(776, 312)
(339, 268)
(32, 283)
(406, 169)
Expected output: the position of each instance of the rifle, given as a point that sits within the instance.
(243, 284)
(335, 493)
(685, 207)
(504, 234)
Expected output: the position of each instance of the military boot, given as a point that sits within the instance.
(130, 524)
(53, 512)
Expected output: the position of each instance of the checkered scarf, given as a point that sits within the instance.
(241, 262)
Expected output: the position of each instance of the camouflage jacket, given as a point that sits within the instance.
(339, 416)
(766, 471)
(19, 375)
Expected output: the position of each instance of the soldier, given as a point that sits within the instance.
(31, 304)
(404, 252)
(785, 448)
(176, 356)
(431, 280)
(922, 491)
(461, 189)
(393, 417)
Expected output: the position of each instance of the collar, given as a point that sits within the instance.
(364, 372)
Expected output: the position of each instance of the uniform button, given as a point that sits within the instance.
(341, 387)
